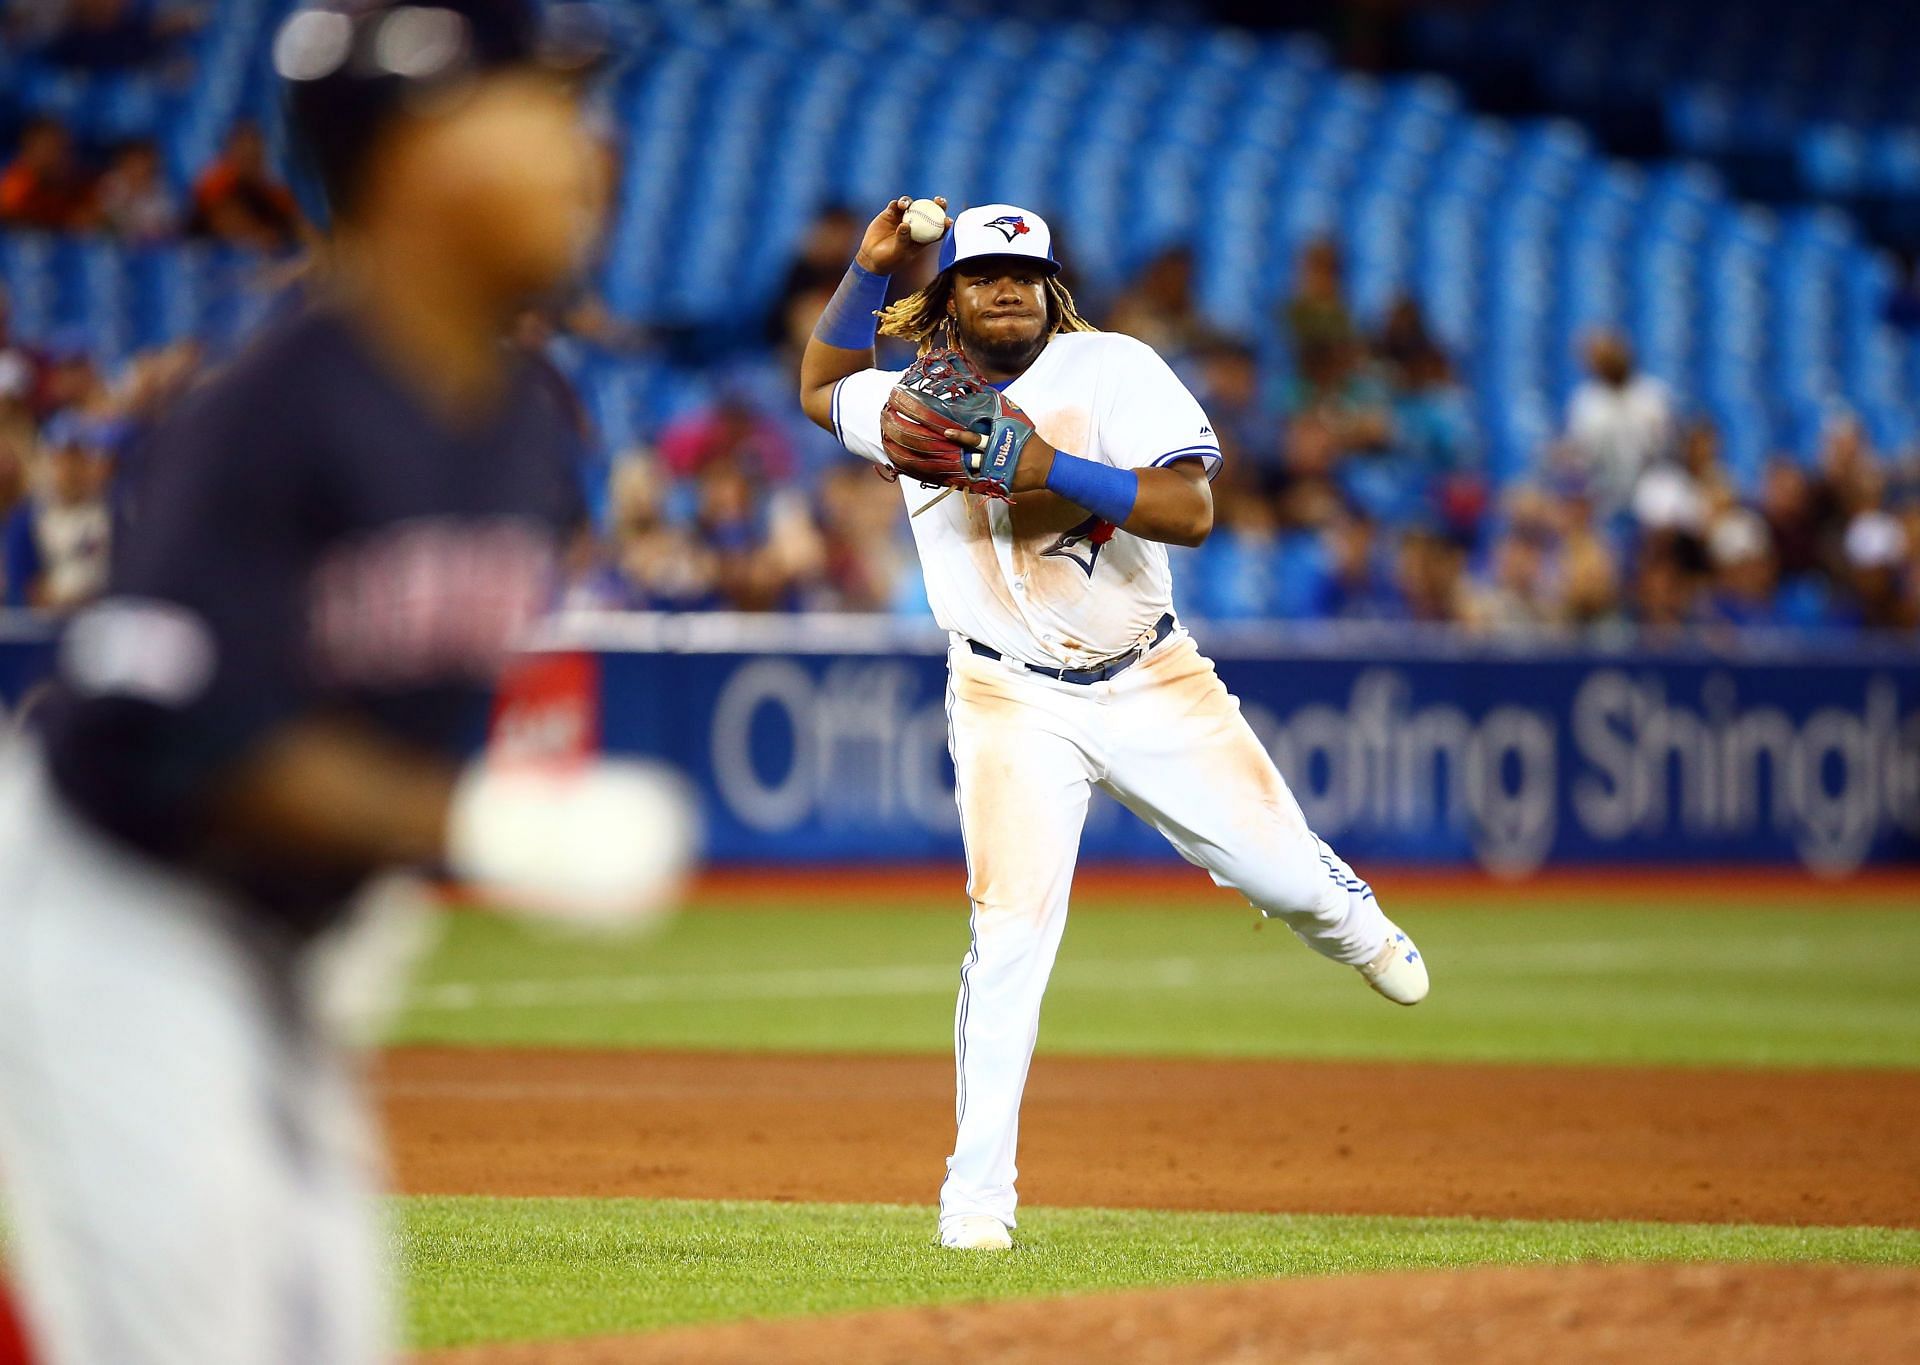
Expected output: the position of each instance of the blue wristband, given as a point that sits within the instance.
(1106, 492)
(849, 321)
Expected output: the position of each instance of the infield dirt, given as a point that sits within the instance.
(1671, 1144)
(1310, 1137)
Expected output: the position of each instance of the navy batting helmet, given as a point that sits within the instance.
(350, 65)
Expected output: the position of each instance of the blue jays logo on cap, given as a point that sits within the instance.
(999, 230)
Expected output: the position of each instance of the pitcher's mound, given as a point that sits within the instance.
(1632, 1315)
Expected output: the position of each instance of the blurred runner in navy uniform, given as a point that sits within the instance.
(339, 539)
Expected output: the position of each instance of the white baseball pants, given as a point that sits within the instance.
(1167, 740)
(190, 1176)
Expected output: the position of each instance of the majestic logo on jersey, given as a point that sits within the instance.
(1082, 544)
(1010, 225)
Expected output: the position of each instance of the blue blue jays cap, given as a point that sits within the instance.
(999, 230)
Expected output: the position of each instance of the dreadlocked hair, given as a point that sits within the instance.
(921, 317)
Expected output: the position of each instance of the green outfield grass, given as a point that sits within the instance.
(1696, 980)
(525, 1269)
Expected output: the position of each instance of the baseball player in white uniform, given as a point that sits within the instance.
(1067, 667)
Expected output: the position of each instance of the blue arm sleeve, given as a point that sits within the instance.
(1106, 492)
(849, 321)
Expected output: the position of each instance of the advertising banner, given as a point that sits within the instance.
(1399, 747)
(824, 740)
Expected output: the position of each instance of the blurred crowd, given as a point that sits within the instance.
(1353, 488)
(70, 439)
(53, 185)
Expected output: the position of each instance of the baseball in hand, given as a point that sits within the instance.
(926, 221)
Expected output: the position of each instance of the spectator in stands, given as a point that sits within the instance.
(1849, 482)
(1235, 574)
(1744, 588)
(1158, 307)
(1430, 573)
(656, 565)
(1879, 574)
(1431, 420)
(1619, 422)
(1316, 315)
(766, 552)
(45, 187)
(1699, 463)
(1666, 588)
(68, 378)
(1518, 594)
(13, 483)
(1404, 343)
(1359, 584)
(732, 430)
(1589, 582)
(1336, 382)
(1308, 498)
(238, 201)
(13, 492)
(135, 202)
(868, 556)
(1668, 502)
(1230, 391)
(1907, 512)
(19, 376)
(1786, 504)
(54, 543)
(103, 34)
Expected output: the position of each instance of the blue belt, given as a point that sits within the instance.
(1113, 668)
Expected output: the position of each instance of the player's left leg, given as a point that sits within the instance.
(1184, 759)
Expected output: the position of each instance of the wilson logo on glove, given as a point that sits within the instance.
(943, 392)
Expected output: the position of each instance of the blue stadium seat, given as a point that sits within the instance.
(1516, 238)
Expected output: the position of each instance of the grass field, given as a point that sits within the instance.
(1701, 979)
(523, 1269)
(1690, 981)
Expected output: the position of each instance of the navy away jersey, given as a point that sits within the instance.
(308, 539)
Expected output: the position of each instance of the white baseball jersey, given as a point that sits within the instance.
(1046, 584)
(1043, 582)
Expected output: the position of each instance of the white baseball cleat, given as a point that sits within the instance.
(1397, 971)
(975, 1232)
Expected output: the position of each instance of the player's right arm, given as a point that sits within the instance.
(842, 342)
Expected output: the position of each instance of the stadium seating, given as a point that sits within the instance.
(742, 120)
(1800, 100)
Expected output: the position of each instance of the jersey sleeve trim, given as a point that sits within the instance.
(833, 409)
(1208, 455)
